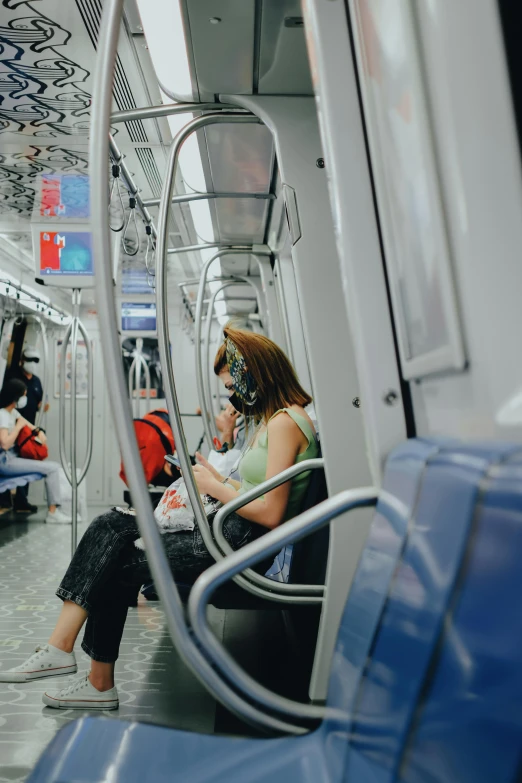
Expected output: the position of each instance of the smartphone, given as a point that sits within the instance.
(175, 461)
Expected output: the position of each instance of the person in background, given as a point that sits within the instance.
(26, 372)
(12, 400)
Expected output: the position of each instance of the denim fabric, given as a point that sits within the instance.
(11, 465)
(107, 571)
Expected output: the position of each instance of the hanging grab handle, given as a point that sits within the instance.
(127, 249)
(150, 250)
(116, 184)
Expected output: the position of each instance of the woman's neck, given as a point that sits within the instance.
(10, 407)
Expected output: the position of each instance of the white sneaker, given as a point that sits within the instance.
(82, 695)
(57, 518)
(46, 661)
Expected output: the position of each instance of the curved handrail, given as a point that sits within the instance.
(204, 369)
(168, 110)
(169, 383)
(183, 198)
(284, 588)
(201, 367)
(45, 379)
(198, 319)
(90, 401)
(269, 544)
(98, 156)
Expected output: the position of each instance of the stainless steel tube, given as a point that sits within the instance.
(132, 378)
(207, 392)
(169, 383)
(206, 246)
(183, 198)
(269, 544)
(90, 402)
(167, 110)
(283, 588)
(44, 377)
(62, 400)
(206, 403)
(98, 155)
(198, 321)
(73, 427)
(131, 185)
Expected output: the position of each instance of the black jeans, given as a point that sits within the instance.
(107, 571)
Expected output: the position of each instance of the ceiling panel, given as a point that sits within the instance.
(241, 157)
(221, 34)
(283, 58)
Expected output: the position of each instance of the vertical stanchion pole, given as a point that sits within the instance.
(73, 433)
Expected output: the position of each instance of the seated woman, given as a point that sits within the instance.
(13, 399)
(95, 588)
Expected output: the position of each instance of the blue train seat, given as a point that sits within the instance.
(12, 482)
(427, 662)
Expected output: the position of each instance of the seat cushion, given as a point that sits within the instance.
(94, 750)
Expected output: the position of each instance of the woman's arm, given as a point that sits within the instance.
(284, 442)
(7, 441)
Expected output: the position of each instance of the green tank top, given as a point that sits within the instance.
(252, 467)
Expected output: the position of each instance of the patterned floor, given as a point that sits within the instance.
(152, 682)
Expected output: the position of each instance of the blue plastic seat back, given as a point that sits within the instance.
(12, 482)
(402, 480)
(468, 726)
(415, 608)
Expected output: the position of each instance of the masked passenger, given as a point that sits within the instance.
(264, 387)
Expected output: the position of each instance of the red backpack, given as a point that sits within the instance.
(28, 445)
(155, 440)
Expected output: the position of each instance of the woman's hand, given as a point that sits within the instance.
(206, 482)
(226, 421)
(42, 437)
(206, 464)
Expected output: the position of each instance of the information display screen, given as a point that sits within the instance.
(65, 253)
(134, 281)
(64, 196)
(138, 317)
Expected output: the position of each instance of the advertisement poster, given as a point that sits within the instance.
(82, 370)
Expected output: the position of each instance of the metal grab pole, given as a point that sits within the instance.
(72, 434)
(90, 402)
(167, 590)
(198, 318)
(239, 280)
(132, 372)
(167, 110)
(207, 390)
(166, 359)
(61, 412)
(182, 198)
(44, 378)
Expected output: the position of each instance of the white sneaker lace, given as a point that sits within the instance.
(76, 685)
(38, 653)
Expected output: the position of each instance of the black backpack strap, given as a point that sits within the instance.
(163, 415)
(164, 440)
(31, 435)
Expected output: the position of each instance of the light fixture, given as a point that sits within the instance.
(163, 27)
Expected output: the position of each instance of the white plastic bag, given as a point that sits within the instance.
(225, 463)
(66, 496)
(174, 513)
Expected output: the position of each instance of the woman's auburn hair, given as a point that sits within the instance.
(276, 380)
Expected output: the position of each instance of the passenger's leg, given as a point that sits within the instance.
(95, 561)
(17, 465)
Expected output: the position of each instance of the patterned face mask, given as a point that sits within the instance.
(242, 380)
